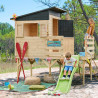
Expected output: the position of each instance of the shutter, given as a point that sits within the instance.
(43, 30)
(19, 31)
(65, 28)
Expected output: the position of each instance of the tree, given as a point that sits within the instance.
(5, 28)
(49, 3)
(86, 17)
(95, 6)
(95, 3)
(7, 39)
(80, 24)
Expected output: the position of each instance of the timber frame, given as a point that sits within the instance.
(89, 55)
(39, 28)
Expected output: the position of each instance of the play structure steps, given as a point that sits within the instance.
(65, 85)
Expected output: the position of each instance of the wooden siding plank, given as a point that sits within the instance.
(37, 47)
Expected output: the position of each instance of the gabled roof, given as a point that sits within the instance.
(55, 9)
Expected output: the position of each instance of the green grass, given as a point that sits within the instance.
(12, 67)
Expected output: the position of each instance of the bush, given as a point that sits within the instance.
(3, 57)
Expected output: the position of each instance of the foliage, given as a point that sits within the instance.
(3, 57)
(5, 28)
(95, 4)
(80, 25)
(6, 40)
(49, 3)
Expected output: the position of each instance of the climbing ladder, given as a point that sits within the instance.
(89, 56)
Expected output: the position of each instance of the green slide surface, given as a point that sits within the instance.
(65, 85)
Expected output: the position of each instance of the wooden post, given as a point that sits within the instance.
(86, 47)
(31, 62)
(79, 69)
(50, 68)
(59, 68)
(60, 63)
(17, 67)
(83, 72)
(90, 65)
(31, 69)
(49, 65)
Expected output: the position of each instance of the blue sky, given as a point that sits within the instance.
(20, 7)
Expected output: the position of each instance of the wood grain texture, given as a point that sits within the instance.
(37, 47)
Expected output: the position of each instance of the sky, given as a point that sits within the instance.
(20, 7)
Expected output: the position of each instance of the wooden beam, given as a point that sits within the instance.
(60, 62)
(18, 67)
(49, 65)
(90, 65)
(84, 72)
(31, 62)
(91, 43)
(59, 68)
(45, 62)
(50, 68)
(31, 69)
(53, 63)
(79, 69)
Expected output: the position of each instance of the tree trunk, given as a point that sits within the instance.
(86, 17)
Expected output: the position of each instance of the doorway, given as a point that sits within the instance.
(55, 27)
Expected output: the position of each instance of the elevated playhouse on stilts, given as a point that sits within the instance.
(48, 36)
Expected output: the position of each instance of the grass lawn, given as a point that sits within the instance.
(12, 67)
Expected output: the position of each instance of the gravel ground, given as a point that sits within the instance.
(90, 90)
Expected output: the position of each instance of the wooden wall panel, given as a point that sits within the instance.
(69, 45)
(43, 30)
(29, 25)
(19, 30)
(37, 47)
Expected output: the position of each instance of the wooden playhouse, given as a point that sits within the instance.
(46, 34)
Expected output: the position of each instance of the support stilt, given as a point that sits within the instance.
(17, 67)
(79, 69)
(84, 72)
(31, 69)
(60, 63)
(59, 68)
(50, 68)
(31, 62)
(50, 64)
(90, 65)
